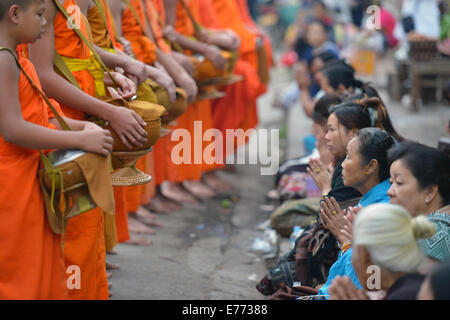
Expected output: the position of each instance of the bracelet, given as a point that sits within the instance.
(346, 246)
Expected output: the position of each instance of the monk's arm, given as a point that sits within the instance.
(176, 71)
(223, 38)
(75, 125)
(127, 124)
(211, 52)
(170, 9)
(131, 66)
(14, 129)
(42, 54)
(178, 74)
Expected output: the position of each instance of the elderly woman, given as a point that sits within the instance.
(365, 168)
(386, 254)
(421, 183)
(344, 122)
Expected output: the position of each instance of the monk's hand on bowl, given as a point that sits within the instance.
(234, 38)
(188, 84)
(184, 61)
(127, 87)
(137, 69)
(214, 54)
(228, 40)
(88, 125)
(165, 81)
(203, 35)
(129, 126)
(97, 140)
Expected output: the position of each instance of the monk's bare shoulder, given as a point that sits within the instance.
(8, 65)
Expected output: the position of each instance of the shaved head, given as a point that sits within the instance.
(6, 4)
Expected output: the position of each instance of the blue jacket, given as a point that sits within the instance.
(343, 265)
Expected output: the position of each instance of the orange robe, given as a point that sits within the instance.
(31, 258)
(199, 111)
(248, 20)
(163, 164)
(101, 37)
(230, 112)
(84, 237)
(144, 49)
(230, 17)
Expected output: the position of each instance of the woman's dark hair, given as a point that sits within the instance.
(439, 282)
(370, 92)
(340, 73)
(326, 56)
(375, 143)
(351, 115)
(428, 165)
(322, 107)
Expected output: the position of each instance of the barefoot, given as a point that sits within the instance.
(213, 181)
(109, 285)
(146, 217)
(198, 189)
(175, 192)
(135, 226)
(108, 274)
(112, 266)
(160, 204)
(138, 241)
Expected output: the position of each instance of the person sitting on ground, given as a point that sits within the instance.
(306, 83)
(436, 285)
(370, 92)
(421, 183)
(319, 12)
(385, 239)
(366, 168)
(319, 40)
(293, 172)
(339, 78)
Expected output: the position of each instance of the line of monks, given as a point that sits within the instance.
(138, 40)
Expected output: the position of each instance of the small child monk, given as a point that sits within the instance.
(32, 264)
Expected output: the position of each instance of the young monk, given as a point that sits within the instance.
(32, 264)
(135, 27)
(181, 29)
(103, 37)
(138, 217)
(230, 111)
(84, 238)
(116, 9)
(229, 14)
